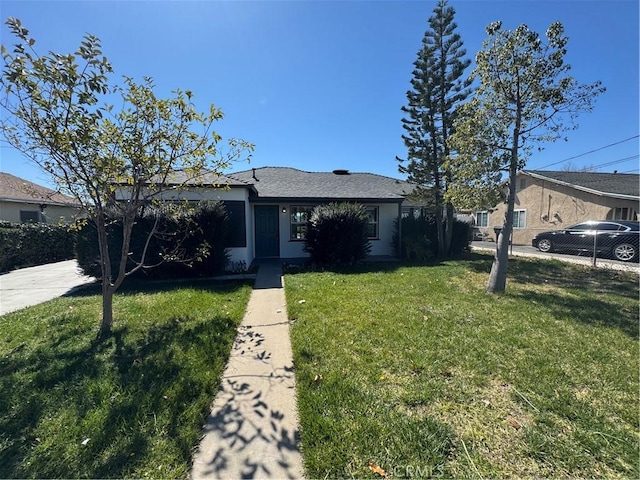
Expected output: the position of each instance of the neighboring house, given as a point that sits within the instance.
(550, 200)
(270, 206)
(24, 201)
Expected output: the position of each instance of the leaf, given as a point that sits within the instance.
(376, 469)
(514, 423)
(85, 441)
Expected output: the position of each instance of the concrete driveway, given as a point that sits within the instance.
(30, 286)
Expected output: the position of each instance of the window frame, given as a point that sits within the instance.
(299, 237)
(516, 225)
(375, 222)
(485, 215)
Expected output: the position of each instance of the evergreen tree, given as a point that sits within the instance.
(437, 88)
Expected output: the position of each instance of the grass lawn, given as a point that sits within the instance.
(132, 405)
(418, 371)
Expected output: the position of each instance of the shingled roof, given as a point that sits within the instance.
(284, 183)
(616, 185)
(16, 189)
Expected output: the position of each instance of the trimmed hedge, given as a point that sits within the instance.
(29, 244)
(198, 235)
(337, 234)
(420, 238)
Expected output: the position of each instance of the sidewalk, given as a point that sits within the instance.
(252, 430)
(33, 285)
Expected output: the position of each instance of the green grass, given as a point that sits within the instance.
(131, 405)
(419, 371)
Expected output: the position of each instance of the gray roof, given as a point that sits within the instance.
(204, 178)
(16, 189)
(290, 183)
(616, 185)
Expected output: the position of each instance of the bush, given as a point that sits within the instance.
(337, 234)
(187, 243)
(420, 238)
(28, 244)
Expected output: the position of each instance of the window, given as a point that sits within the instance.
(623, 213)
(520, 219)
(372, 224)
(237, 223)
(482, 219)
(27, 216)
(299, 217)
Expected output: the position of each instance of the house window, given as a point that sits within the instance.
(372, 224)
(482, 219)
(237, 223)
(299, 217)
(520, 219)
(624, 213)
(28, 216)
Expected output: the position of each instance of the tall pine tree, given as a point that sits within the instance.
(437, 88)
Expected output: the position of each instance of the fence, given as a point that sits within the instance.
(610, 240)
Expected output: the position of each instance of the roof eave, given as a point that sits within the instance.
(581, 188)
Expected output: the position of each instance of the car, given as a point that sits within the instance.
(618, 239)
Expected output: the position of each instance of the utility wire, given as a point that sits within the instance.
(587, 153)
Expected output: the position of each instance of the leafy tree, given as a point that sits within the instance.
(437, 89)
(524, 96)
(57, 115)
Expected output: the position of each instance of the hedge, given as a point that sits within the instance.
(29, 244)
(420, 238)
(337, 234)
(199, 235)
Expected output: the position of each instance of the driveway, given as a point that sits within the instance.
(528, 251)
(30, 286)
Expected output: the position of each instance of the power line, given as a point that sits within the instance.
(614, 162)
(587, 153)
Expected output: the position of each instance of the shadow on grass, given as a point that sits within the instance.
(123, 393)
(590, 311)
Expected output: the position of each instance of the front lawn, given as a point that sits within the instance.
(132, 405)
(416, 371)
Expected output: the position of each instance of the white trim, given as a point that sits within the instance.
(583, 189)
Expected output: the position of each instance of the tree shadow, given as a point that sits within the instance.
(128, 385)
(250, 432)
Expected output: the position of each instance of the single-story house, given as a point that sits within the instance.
(25, 201)
(269, 206)
(552, 200)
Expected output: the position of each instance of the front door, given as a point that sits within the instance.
(267, 231)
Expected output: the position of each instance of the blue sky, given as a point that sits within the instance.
(319, 85)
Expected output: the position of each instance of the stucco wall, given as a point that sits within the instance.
(10, 212)
(550, 206)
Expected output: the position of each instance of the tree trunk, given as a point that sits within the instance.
(449, 231)
(107, 309)
(498, 275)
(442, 252)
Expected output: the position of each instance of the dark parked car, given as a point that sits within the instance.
(619, 239)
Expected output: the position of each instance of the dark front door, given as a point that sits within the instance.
(267, 237)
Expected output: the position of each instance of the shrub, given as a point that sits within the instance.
(337, 234)
(28, 244)
(420, 238)
(187, 243)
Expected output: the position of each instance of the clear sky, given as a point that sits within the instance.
(318, 85)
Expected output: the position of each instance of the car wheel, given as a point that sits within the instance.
(625, 252)
(545, 245)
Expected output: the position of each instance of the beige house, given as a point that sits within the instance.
(23, 201)
(550, 200)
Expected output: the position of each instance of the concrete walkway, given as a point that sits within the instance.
(33, 285)
(252, 430)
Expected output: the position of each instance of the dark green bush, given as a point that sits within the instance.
(420, 238)
(28, 244)
(337, 234)
(186, 243)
